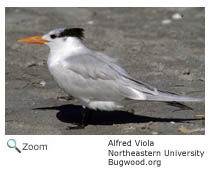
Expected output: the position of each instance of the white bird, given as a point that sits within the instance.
(94, 78)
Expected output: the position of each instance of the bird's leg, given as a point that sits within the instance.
(86, 117)
(83, 113)
(82, 124)
(84, 120)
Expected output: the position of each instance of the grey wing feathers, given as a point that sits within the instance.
(92, 65)
(95, 65)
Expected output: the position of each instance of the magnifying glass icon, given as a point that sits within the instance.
(11, 143)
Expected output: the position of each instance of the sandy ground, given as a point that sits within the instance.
(152, 44)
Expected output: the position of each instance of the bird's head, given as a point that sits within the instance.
(56, 37)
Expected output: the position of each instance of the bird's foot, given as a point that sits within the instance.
(86, 117)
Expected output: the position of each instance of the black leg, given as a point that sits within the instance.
(83, 123)
(84, 120)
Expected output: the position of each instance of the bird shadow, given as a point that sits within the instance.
(73, 114)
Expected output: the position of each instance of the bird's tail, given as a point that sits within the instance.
(137, 90)
(170, 97)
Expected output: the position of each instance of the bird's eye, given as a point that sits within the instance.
(53, 36)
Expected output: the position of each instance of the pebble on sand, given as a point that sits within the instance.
(166, 21)
(177, 16)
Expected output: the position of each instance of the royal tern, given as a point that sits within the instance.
(94, 78)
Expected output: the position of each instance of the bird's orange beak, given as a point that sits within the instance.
(33, 40)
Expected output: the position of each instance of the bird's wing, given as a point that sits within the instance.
(90, 66)
(97, 66)
(113, 82)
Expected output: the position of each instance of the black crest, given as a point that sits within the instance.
(73, 32)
